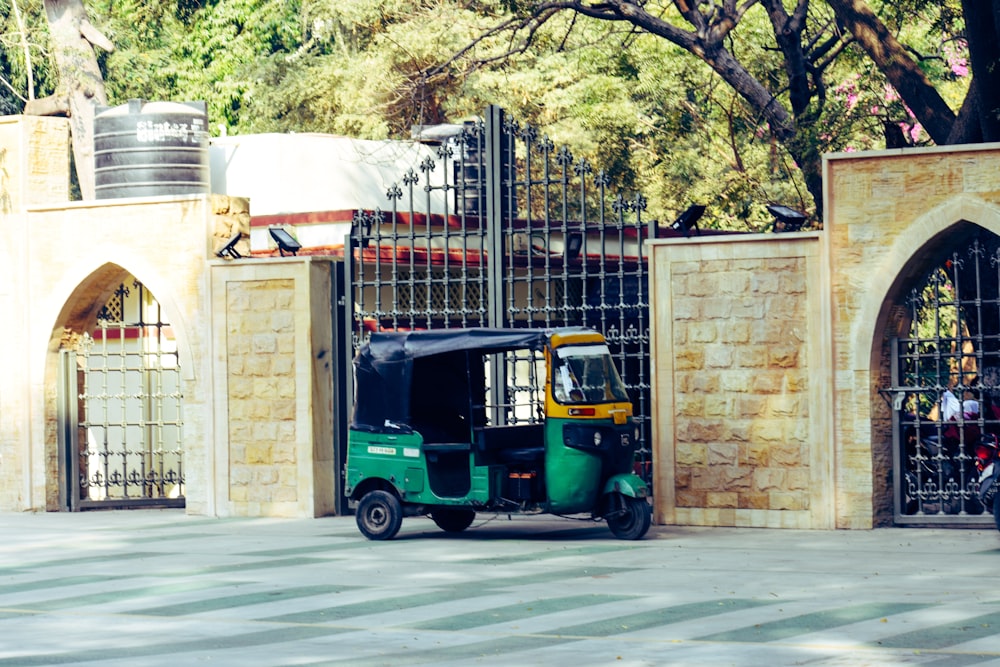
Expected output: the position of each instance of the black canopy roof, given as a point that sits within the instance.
(383, 367)
(391, 346)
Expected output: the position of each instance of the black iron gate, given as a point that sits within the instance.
(120, 405)
(946, 386)
(498, 227)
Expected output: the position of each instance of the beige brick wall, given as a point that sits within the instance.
(260, 347)
(274, 413)
(739, 362)
(34, 161)
(889, 214)
(61, 260)
(34, 169)
(770, 351)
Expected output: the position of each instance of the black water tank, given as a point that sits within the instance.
(149, 149)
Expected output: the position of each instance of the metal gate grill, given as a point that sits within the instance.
(123, 384)
(946, 386)
(498, 227)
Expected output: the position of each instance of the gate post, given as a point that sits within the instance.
(68, 432)
(494, 159)
(898, 455)
(342, 297)
(494, 167)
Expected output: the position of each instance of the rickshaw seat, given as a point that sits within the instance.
(512, 444)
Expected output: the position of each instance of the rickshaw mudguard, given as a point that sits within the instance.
(627, 484)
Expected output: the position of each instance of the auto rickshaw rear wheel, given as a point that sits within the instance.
(453, 519)
(633, 519)
(379, 515)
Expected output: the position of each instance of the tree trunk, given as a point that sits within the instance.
(899, 68)
(967, 128)
(984, 54)
(81, 85)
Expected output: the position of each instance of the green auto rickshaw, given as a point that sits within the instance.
(449, 423)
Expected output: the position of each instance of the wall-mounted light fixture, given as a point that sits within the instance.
(790, 219)
(285, 241)
(574, 245)
(688, 220)
(230, 247)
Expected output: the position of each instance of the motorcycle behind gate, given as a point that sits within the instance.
(988, 465)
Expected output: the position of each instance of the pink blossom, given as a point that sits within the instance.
(955, 56)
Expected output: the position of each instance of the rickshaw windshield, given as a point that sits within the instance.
(585, 374)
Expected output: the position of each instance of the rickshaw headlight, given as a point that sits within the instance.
(584, 436)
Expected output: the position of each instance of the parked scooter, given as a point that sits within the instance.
(933, 483)
(988, 464)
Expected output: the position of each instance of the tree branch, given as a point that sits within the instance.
(899, 68)
(52, 105)
(95, 36)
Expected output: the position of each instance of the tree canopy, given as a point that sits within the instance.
(730, 104)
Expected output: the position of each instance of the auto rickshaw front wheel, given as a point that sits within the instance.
(632, 520)
(453, 519)
(379, 515)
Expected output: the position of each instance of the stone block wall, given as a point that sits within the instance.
(770, 351)
(34, 158)
(888, 214)
(258, 440)
(260, 346)
(739, 380)
(274, 411)
(34, 168)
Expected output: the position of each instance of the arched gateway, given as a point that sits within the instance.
(119, 402)
(944, 372)
(796, 374)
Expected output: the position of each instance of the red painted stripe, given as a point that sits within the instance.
(131, 333)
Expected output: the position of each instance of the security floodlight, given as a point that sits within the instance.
(688, 220)
(230, 247)
(574, 245)
(285, 241)
(790, 219)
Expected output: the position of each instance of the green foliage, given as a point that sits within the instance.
(14, 60)
(653, 116)
(189, 51)
(363, 70)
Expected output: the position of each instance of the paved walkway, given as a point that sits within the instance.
(142, 588)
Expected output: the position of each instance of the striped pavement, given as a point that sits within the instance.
(158, 587)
